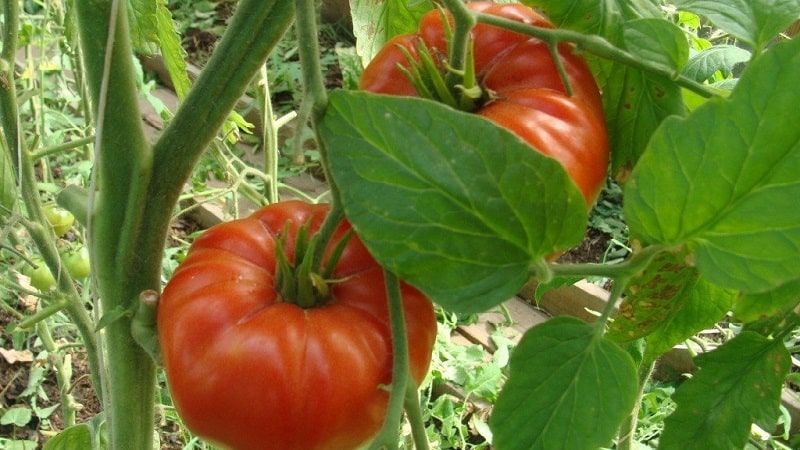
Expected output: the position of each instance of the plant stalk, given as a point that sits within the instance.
(401, 370)
(598, 46)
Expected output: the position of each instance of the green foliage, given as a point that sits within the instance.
(745, 152)
(755, 22)
(737, 384)
(569, 388)
(448, 169)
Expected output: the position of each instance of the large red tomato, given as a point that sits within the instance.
(526, 91)
(252, 370)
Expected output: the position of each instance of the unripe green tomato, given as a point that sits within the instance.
(60, 219)
(40, 275)
(77, 263)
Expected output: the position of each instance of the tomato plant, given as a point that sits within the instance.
(522, 88)
(456, 205)
(236, 347)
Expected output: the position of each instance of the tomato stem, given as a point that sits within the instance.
(401, 372)
(315, 96)
(559, 62)
(463, 20)
(597, 46)
(414, 414)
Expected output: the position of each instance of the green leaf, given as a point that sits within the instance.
(668, 304)
(752, 307)
(722, 58)
(152, 29)
(453, 204)
(569, 388)
(17, 416)
(77, 436)
(375, 22)
(738, 384)
(657, 41)
(753, 21)
(724, 181)
(635, 103)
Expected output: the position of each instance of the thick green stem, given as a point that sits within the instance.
(597, 46)
(463, 21)
(115, 219)
(8, 93)
(401, 371)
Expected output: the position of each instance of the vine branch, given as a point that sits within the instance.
(597, 46)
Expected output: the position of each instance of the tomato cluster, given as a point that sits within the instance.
(526, 92)
(251, 370)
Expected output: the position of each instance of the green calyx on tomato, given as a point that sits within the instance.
(59, 218)
(521, 86)
(247, 368)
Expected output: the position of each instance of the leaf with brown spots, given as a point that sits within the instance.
(668, 303)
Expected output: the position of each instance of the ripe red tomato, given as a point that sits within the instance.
(251, 370)
(527, 94)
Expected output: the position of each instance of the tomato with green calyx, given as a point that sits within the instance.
(40, 275)
(59, 218)
(521, 87)
(249, 368)
(77, 262)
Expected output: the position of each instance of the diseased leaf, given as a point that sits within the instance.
(724, 181)
(738, 384)
(450, 202)
(569, 388)
(668, 304)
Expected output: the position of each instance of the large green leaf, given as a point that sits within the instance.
(450, 202)
(753, 21)
(738, 384)
(377, 21)
(668, 303)
(569, 388)
(724, 181)
(635, 102)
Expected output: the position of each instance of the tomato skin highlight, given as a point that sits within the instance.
(247, 369)
(527, 93)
